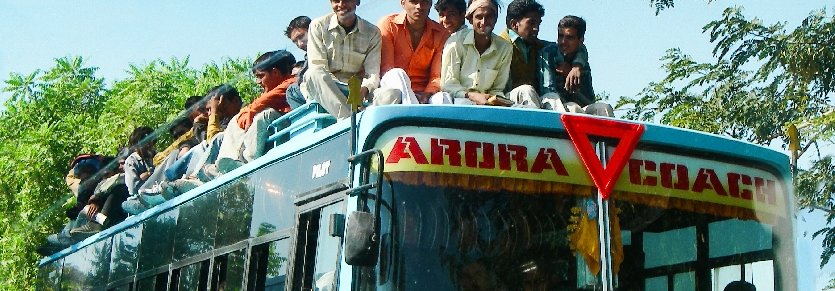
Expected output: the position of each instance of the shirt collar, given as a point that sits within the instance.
(334, 24)
(469, 39)
(400, 18)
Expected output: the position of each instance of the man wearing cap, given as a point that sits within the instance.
(476, 62)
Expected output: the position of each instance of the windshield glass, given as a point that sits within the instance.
(444, 231)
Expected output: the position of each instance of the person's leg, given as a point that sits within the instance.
(159, 172)
(112, 208)
(385, 96)
(525, 96)
(600, 109)
(397, 79)
(552, 101)
(255, 138)
(209, 155)
(320, 85)
(574, 108)
(440, 98)
(295, 98)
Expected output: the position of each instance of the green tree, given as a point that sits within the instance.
(55, 114)
(764, 78)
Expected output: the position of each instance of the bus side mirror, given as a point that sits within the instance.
(360, 239)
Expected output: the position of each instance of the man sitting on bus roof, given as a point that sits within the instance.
(451, 14)
(245, 138)
(342, 45)
(523, 20)
(412, 45)
(297, 33)
(476, 62)
(572, 80)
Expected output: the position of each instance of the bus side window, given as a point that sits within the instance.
(268, 266)
(158, 282)
(228, 271)
(193, 277)
(317, 253)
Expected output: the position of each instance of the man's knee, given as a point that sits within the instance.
(386, 96)
(526, 96)
(600, 109)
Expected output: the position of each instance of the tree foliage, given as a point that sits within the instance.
(763, 79)
(55, 114)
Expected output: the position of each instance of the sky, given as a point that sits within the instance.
(625, 40)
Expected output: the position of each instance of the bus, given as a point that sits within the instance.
(406, 197)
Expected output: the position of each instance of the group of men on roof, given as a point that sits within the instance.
(408, 58)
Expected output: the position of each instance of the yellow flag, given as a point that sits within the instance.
(585, 241)
(794, 140)
(354, 97)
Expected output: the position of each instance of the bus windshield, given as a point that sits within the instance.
(443, 231)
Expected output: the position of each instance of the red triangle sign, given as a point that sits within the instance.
(579, 128)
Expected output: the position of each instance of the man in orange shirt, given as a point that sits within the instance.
(412, 45)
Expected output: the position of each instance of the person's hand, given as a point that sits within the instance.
(572, 80)
(91, 210)
(563, 69)
(478, 98)
(202, 118)
(144, 176)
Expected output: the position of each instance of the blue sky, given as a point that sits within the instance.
(625, 41)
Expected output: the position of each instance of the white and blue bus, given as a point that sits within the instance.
(461, 198)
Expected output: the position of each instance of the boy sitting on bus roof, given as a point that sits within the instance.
(412, 45)
(571, 81)
(451, 14)
(245, 138)
(342, 45)
(476, 62)
(104, 208)
(523, 20)
(297, 32)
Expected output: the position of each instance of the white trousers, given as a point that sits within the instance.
(397, 79)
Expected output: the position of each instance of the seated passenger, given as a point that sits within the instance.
(245, 138)
(297, 32)
(139, 164)
(523, 20)
(451, 14)
(104, 208)
(181, 130)
(476, 62)
(222, 104)
(572, 81)
(81, 180)
(342, 45)
(412, 45)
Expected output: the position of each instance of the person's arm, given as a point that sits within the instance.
(549, 58)
(132, 173)
(317, 51)
(503, 67)
(434, 85)
(159, 157)
(387, 44)
(451, 69)
(371, 65)
(213, 127)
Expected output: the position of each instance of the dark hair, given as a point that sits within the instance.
(298, 64)
(281, 60)
(191, 101)
(84, 168)
(139, 136)
(460, 5)
(575, 22)
(182, 121)
(224, 90)
(740, 286)
(298, 22)
(517, 9)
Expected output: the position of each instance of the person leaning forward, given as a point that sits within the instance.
(342, 45)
